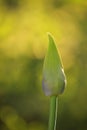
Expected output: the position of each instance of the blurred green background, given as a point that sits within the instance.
(23, 45)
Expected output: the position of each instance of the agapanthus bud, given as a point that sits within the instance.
(54, 79)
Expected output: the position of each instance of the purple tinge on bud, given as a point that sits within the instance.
(54, 87)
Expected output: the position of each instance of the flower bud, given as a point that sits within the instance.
(54, 79)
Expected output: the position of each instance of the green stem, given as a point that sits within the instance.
(53, 113)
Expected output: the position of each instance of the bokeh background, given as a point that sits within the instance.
(23, 45)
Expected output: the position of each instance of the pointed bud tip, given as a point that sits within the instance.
(50, 36)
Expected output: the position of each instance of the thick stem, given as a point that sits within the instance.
(53, 113)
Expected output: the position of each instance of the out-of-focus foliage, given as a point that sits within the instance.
(23, 43)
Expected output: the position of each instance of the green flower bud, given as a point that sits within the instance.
(54, 79)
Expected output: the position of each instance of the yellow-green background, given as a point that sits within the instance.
(23, 45)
